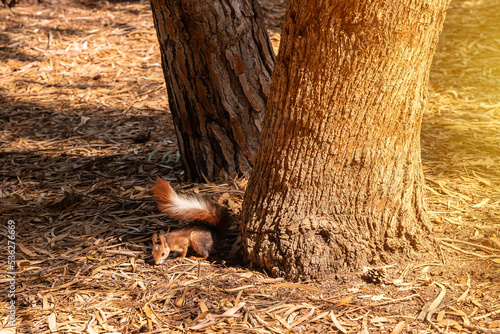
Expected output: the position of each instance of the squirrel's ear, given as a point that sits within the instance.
(155, 238)
(163, 241)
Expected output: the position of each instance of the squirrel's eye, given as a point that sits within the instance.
(163, 254)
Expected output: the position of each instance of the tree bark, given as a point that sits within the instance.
(338, 179)
(217, 61)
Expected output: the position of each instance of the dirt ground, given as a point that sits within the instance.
(85, 128)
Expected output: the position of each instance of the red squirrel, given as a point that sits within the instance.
(209, 222)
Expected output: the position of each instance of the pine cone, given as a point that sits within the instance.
(374, 275)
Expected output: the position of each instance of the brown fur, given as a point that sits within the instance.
(203, 234)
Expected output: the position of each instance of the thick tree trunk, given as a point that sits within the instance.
(338, 179)
(217, 61)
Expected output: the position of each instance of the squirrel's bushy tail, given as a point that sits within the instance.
(188, 208)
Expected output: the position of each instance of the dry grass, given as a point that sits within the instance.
(85, 128)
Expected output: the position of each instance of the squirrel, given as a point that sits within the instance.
(208, 223)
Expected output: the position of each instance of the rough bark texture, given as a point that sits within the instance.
(217, 61)
(338, 179)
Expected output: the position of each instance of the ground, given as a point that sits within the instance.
(85, 128)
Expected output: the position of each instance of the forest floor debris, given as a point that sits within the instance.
(85, 128)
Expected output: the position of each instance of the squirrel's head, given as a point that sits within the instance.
(160, 249)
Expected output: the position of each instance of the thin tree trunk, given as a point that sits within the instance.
(217, 62)
(338, 179)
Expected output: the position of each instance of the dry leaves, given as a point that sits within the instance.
(85, 128)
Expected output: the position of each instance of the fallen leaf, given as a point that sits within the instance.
(440, 315)
(240, 288)
(344, 301)
(482, 203)
(399, 328)
(203, 306)
(233, 310)
(180, 301)
(25, 250)
(52, 322)
(449, 323)
(336, 323)
(439, 298)
(149, 315)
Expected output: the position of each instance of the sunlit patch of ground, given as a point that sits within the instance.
(85, 127)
